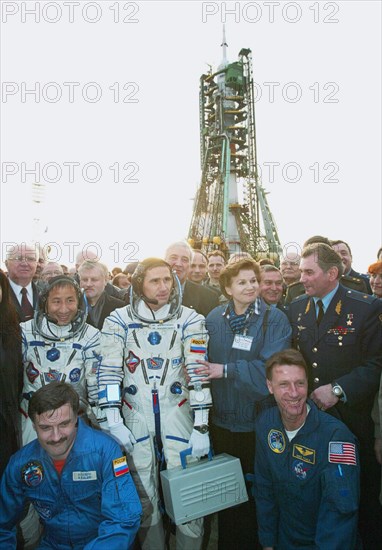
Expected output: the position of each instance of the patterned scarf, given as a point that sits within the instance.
(239, 323)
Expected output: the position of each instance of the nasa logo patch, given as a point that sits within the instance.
(32, 473)
(75, 375)
(300, 469)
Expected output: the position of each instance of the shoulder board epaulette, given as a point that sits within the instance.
(360, 296)
(301, 297)
(348, 278)
(294, 284)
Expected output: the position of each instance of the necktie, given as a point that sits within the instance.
(26, 306)
(320, 311)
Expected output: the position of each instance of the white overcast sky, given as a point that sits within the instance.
(329, 53)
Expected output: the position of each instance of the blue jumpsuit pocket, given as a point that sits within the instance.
(340, 490)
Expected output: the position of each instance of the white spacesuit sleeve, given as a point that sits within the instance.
(195, 347)
(110, 371)
(91, 355)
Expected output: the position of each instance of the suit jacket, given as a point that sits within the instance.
(346, 347)
(109, 305)
(200, 298)
(17, 303)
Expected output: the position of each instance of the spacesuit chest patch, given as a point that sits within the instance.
(132, 361)
(120, 466)
(52, 375)
(32, 473)
(32, 372)
(75, 375)
(304, 454)
(91, 475)
(154, 362)
(154, 338)
(276, 441)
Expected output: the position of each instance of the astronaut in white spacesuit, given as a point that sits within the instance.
(150, 347)
(58, 344)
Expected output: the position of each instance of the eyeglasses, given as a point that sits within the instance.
(28, 259)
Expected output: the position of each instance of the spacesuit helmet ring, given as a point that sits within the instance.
(42, 314)
(136, 289)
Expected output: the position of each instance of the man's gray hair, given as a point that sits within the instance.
(183, 244)
(90, 264)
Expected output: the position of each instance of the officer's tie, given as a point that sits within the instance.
(26, 305)
(320, 313)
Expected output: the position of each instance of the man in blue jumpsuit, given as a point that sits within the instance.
(306, 467)
(75, 476)
(339, 333)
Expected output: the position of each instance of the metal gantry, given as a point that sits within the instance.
(231, 211)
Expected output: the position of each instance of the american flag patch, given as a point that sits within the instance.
(342, 453)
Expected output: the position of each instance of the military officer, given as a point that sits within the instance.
(339, 333)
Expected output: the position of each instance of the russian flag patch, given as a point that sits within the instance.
(120, 466)
(198, 346)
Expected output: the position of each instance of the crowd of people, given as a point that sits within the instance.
(105, 376)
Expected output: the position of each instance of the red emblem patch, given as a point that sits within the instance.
(132, 361)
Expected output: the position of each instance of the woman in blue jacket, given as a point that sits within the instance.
(243, 334)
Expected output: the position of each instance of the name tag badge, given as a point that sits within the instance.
(242, 342)
(85, 476)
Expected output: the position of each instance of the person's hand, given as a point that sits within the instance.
(209, 371)
(378, 449)
(119, 431)
(324, 397)
(200, 443)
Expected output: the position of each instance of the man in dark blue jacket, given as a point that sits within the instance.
(306, 467)
(339, 333)
(75, 476)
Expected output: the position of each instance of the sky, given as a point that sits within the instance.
(100, 103)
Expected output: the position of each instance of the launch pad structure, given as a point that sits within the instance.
(220, 219)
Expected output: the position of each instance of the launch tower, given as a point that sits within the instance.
(222, 219)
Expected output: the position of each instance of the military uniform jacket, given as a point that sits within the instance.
(92, 505)
(346, 347)
(307, 489)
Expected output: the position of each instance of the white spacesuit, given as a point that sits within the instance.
(153, 354)
(67, 353)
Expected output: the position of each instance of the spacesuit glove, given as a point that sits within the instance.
(200, 444)
(119, 431)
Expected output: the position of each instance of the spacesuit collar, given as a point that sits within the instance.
(146, 312)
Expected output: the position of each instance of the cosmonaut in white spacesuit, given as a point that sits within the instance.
(58, 344)
(150, 347)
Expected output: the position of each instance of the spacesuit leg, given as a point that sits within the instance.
(145, 474)
(189, 536)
